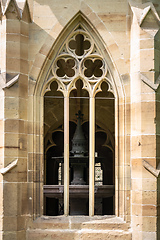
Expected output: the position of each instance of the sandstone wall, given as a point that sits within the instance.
(129, 32)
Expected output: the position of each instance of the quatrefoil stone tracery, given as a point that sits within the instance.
(65, 67)
(79, 45)
(93, 68)
(79, 57)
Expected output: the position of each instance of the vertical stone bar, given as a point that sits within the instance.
(66, 156)
(91, 155)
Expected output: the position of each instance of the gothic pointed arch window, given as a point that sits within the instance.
(79, 130)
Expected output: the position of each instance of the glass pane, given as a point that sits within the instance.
(104, 155)
(79, 172)
(98, 174)
(53, 151)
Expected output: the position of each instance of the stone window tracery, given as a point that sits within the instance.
(79, 58)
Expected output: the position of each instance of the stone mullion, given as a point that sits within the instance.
(91, 154)
(116, 159)
(66, 156)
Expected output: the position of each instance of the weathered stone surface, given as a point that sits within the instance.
(125, 34)
(81, 227)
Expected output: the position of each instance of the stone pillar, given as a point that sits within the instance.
(143, 129)
(1, 157)
(157, 122)
(14, 62)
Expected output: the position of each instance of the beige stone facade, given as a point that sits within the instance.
(122, 46)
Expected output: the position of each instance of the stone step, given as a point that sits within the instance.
(45, 234)
(83, 234)
(104, 235)
(79, 222)
(50, 223)
(106, 224)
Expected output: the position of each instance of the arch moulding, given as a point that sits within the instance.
(42, 84)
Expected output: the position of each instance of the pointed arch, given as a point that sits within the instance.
(98, 31)
(42, 83)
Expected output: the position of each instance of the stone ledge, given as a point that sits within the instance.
(97, 223)
(78, 235)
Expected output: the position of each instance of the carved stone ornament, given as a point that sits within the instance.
(79, 58)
